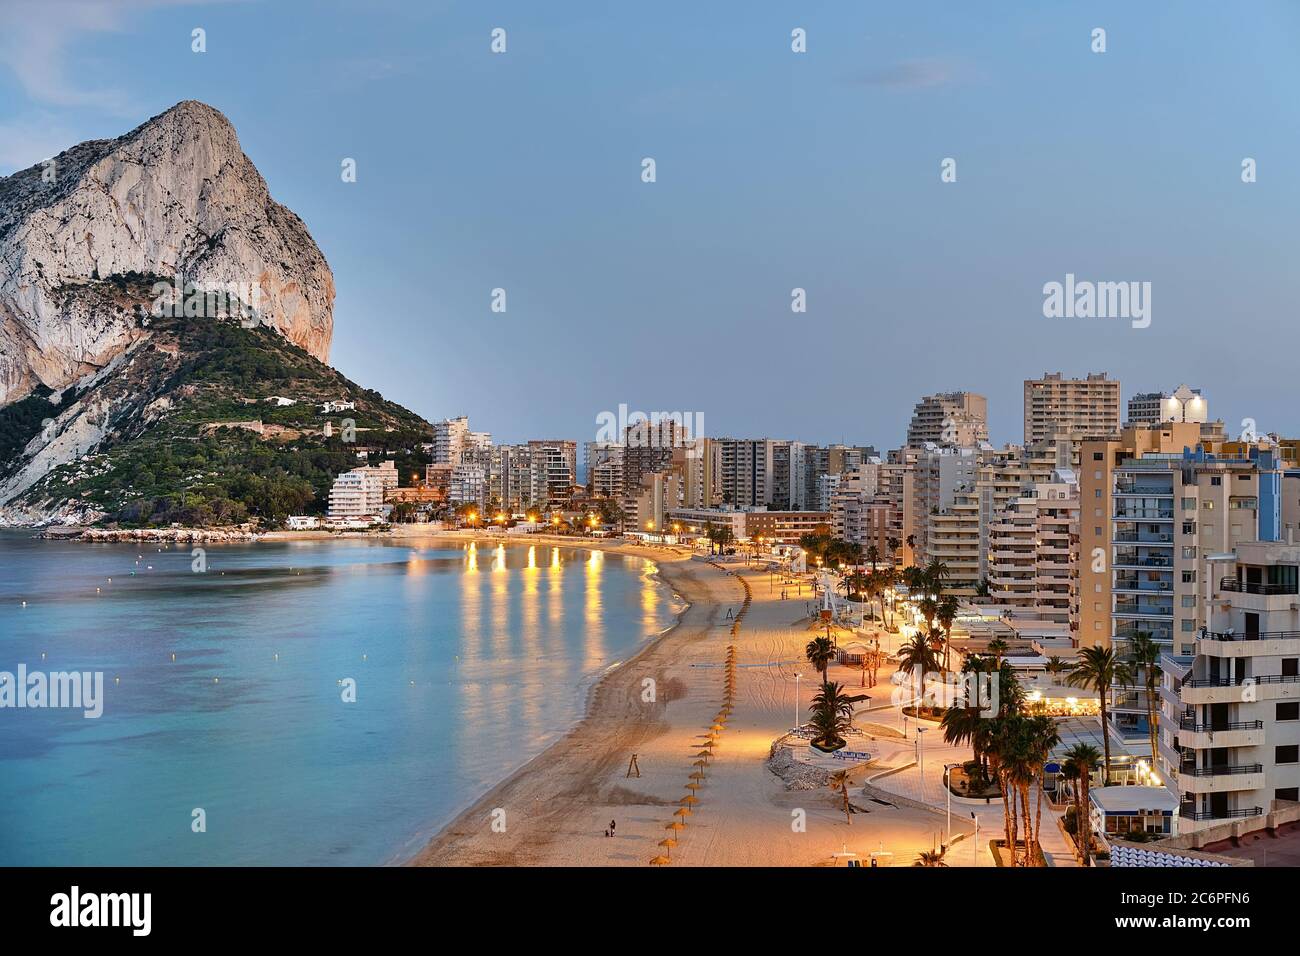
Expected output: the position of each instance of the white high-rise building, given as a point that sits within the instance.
(360, 492)
(1229, 729)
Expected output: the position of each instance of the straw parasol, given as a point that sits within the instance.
(676, 825)
(692, 786)
(699, 774)
(660, 861)
(682, 812)
(689, 800)
(669, 842)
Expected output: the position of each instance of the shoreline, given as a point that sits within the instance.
(603, 734)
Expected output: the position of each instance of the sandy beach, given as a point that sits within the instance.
(556, 808)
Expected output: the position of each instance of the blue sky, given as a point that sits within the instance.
(775, 170)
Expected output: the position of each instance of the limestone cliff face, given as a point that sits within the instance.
(175, 198)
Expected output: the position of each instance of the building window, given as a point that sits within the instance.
(1287, 793)
(1287, 711)
(1290, 753)
(1189, 504)
(1207, 505)
(1291, 667)
(1096, 625)
(1216, 480)
(1097, 456)
(1189, 600)
(1189, 577)
(1189, 527)
(1188, 624)
(1096, 492)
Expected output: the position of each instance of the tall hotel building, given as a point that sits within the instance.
(1154, 508)
(1230, 702)
(950, 418)
(1056, 407)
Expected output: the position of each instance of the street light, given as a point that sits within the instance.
(797, 677)
(947, 785)
(920, 757)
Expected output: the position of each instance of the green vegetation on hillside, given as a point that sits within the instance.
(194, 465)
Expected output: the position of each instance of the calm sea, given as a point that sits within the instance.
(222, 691)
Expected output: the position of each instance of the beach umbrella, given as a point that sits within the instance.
(692, 786)
(699, 774)
(669, 842)
(676, 825)
(660, 861)
(689, 800)
(717, 727)
(682, 812)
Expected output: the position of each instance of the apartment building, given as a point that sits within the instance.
(1183, 404)
(953, 537)
(1099, 460)
(554, 470)
(1057, 406)
(744, 470)
(940, 473)
(1230, 710)
(451, 437)
(785, 527)
(1033, 549)
(1168, 515)
(693, 521)
(360, 492)
(949, 418)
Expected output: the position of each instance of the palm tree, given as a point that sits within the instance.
(839, 782)
(1043, 737)
(832, 716)
(997, 647)
(1146, 656)
(1056, 666)
(936, 573)
(873, 556)
(945, 614)
(1098, 669)
(820, 652)
(886, 578)
(931, 857)
(917, 657)
(1081, 760)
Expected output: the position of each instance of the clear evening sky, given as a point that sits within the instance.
(775, 170)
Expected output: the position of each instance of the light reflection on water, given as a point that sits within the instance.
(461, 676)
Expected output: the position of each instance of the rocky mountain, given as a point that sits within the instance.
(164, 326)
(175, 198)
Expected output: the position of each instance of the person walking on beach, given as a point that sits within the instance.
(612, 825)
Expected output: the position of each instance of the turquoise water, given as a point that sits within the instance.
(467, 661)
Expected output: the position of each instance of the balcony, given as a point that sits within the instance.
(1143, 490)
(1142, 537)
(1245, 733)
(1221, 779)
(1233, 690)
(1137, 584)
(1139, 609)
(1247, 587)
(1144, 514)
(1203, 815)
(1130, 561)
